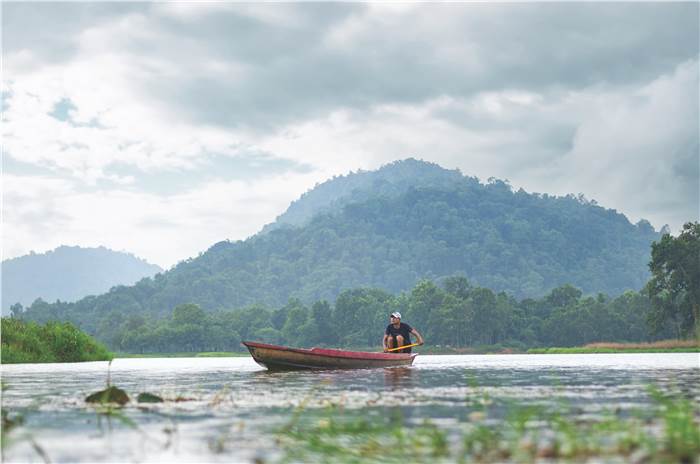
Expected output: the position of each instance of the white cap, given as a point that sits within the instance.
(396, 314)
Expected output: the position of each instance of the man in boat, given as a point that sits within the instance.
(398, 334)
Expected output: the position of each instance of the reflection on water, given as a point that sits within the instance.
(223, 409)
(400, 378)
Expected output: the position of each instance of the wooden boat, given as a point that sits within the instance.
(283, 358)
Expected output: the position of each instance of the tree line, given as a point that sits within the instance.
(451, 313)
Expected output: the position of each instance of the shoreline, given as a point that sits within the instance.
(551, 350)
(593, 349)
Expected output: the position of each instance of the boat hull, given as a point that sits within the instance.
(276, 357)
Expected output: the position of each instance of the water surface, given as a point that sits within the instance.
(230, 409)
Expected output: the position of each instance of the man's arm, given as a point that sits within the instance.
(418, 335)
(384, 342)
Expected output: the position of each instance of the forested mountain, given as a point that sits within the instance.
(68, 274)
(524, 244)
(391, 180)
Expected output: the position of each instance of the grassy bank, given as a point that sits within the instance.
(29, 342)
(664, 346)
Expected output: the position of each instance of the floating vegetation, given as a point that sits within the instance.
(341, 436)
(110, 394)
(148, 398)
(668, 432)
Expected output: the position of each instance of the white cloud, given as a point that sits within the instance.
(112, 122)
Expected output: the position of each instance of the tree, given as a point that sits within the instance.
(188, 314)
(16, 310)
(361, 315)
(674, 288)
(485, 324)
(448, 322)
(268, 335)
(425, 296)
(110, 329)
(563, 296)
(250, 319)
(321, 314)
(292, 333)
(458, 286)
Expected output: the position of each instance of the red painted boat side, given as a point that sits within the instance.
(282, 357)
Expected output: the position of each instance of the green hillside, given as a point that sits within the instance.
(524, 244)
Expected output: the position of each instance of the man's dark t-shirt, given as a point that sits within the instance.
(404, 330)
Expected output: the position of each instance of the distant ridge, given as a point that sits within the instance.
(69, 273)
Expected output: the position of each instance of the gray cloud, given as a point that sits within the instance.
(50, 29)
(283, 71)
(453, 49)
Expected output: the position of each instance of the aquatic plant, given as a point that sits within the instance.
(146, 397)
(668, 432)
(348, 438)
(110, 394)
(681, 437)
(11, 432)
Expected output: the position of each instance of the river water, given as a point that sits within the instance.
(230, 409)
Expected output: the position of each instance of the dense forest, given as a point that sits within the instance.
(451, 312)
(68, 274)
(509, 241)
(391, 180)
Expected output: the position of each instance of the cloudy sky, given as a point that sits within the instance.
(160, 129)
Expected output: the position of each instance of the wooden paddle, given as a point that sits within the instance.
(402, 347)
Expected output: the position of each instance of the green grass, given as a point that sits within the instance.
(661, 346)
(584, 350)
